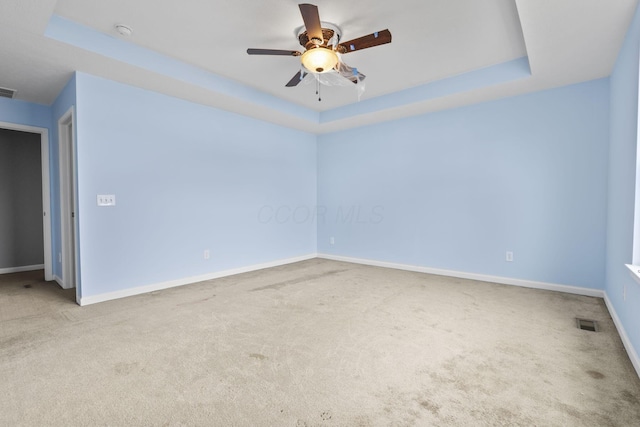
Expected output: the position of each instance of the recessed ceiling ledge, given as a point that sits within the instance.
(489, 76)
(72, 33)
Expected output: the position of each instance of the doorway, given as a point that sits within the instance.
(68, 207)
(46, 191)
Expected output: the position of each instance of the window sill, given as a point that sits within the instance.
(635, 271)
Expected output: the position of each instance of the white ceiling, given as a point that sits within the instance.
(566, 41)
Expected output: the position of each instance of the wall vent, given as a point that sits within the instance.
(7, 93)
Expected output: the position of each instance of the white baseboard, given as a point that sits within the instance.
(473, 276)
(631, 352)
(93, 299)
(59, 281)
(21, 269)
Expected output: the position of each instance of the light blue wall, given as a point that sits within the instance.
(456, 189)
(622, 173)
(186, 178)
(25, 113)
(65, 100)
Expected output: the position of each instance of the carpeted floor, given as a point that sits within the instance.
(316, 343)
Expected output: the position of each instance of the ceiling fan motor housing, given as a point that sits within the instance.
(327, 34)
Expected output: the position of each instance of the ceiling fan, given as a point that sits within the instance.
(323, 48)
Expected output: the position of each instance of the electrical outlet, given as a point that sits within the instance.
(332, 240)
(106, 200)
(207, 254)
(509, 256)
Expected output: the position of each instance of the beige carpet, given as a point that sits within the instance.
(317, 343)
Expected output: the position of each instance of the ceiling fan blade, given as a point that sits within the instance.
(360, 77)
(273, 52)
(350, 73)
(295, 80)
(311, 20)
(364, 42)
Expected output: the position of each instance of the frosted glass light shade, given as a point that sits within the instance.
(319, 60)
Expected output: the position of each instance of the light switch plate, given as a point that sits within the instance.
(106, 200)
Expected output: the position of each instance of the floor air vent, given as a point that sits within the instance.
(587, 325)
(7, 93)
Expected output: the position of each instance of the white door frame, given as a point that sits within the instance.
(68, 185)
(46, 191)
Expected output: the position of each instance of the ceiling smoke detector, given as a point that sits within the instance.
(123, 30)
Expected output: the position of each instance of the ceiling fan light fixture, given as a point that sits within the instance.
(319, 60)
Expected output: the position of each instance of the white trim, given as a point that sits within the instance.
(631, 352)
(68, 186)
(634, 270)
(58, 280)
(188, 280)
(635, 254)
(46, 206)
(46, 191)
(21, 269)
(473, 276)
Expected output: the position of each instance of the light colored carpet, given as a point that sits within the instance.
(316, 343)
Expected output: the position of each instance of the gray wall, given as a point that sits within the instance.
(21, 241)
